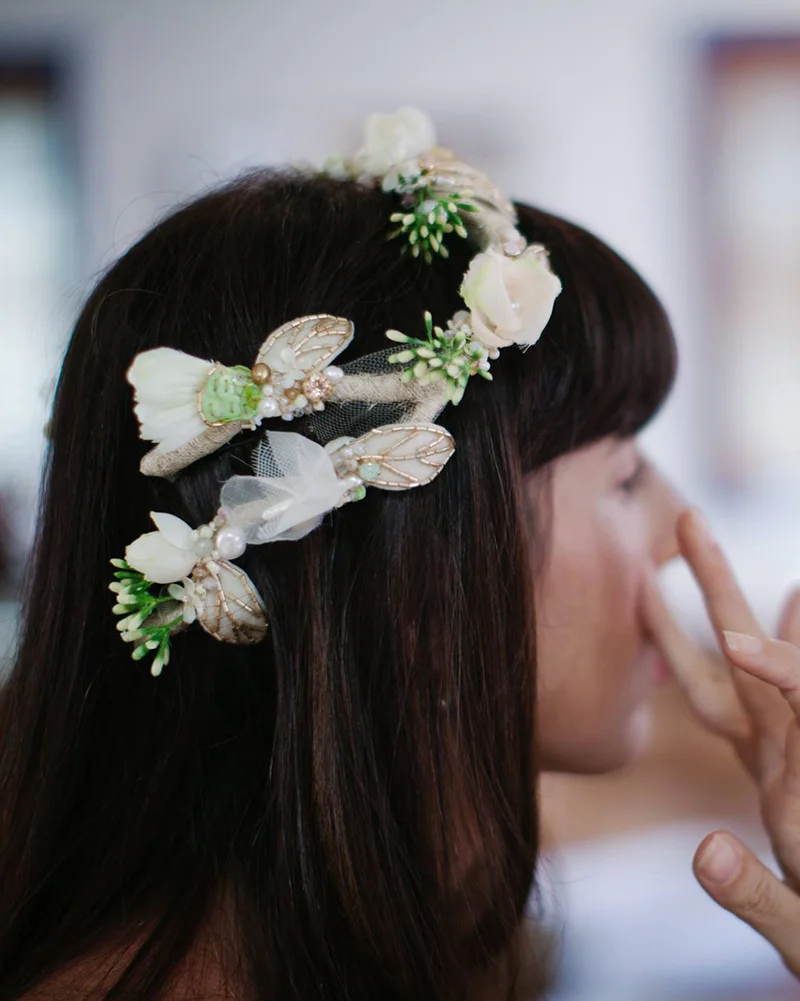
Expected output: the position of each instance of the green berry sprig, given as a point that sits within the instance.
(136, 601)
(451, 355)
(429, 217)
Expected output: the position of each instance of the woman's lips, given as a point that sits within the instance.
(656, 666)
(661, 673)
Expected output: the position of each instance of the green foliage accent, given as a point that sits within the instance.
(229, 394)
(450, 355)
(430, 216)
(137, 602)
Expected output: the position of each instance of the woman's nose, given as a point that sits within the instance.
(667, 504)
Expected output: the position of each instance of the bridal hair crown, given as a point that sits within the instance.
(367, 423)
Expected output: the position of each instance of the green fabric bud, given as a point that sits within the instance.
(229, 394)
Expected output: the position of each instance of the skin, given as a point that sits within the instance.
(601, 624)
(612, 518)
(750, 696)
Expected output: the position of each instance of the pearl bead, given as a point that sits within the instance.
(352, 482)
(230, 542)
(513, 243)
(260, 373)
(268, 407)
(333, 373)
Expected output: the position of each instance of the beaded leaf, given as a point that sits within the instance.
(311, 341)
(227, 603)
(400, 457)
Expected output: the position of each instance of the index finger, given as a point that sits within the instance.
(729, 610)
(727, 607)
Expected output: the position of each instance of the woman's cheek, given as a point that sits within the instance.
(641, 727)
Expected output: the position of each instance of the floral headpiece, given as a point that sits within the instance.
(368, 423)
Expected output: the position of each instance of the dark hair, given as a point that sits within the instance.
(350, 804)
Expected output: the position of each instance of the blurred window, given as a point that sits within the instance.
(751, 199)
(36, 208)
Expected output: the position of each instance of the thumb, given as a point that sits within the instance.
(738, 881)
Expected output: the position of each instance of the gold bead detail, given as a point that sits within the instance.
(317, 388)
(261, 373)
(291, 393)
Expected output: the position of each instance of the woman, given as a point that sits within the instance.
(346, 809)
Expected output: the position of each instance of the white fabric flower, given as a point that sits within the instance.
(287, 364)
(338, 167)
(393, 139)
(166, 383)
(166, 555)
(185, 593)
(510, 299)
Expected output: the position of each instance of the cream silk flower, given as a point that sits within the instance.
(510, 299)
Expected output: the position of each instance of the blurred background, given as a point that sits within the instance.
(671, 128)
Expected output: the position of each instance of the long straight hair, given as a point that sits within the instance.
(350, 804)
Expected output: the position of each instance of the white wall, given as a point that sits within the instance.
(585, 107)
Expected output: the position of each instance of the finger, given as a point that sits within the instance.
(791, 774)
(738, 881)
(773, 661)
(727, 606)
(705, 682)
(729, 610)
(781, 809)
(789, 625)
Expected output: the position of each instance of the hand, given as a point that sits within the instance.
(751, 696)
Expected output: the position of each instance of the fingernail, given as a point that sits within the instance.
(743, 643)
(719, 861)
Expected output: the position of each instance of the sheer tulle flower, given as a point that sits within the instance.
(296, 486)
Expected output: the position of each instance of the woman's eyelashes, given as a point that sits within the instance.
(631, 483)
